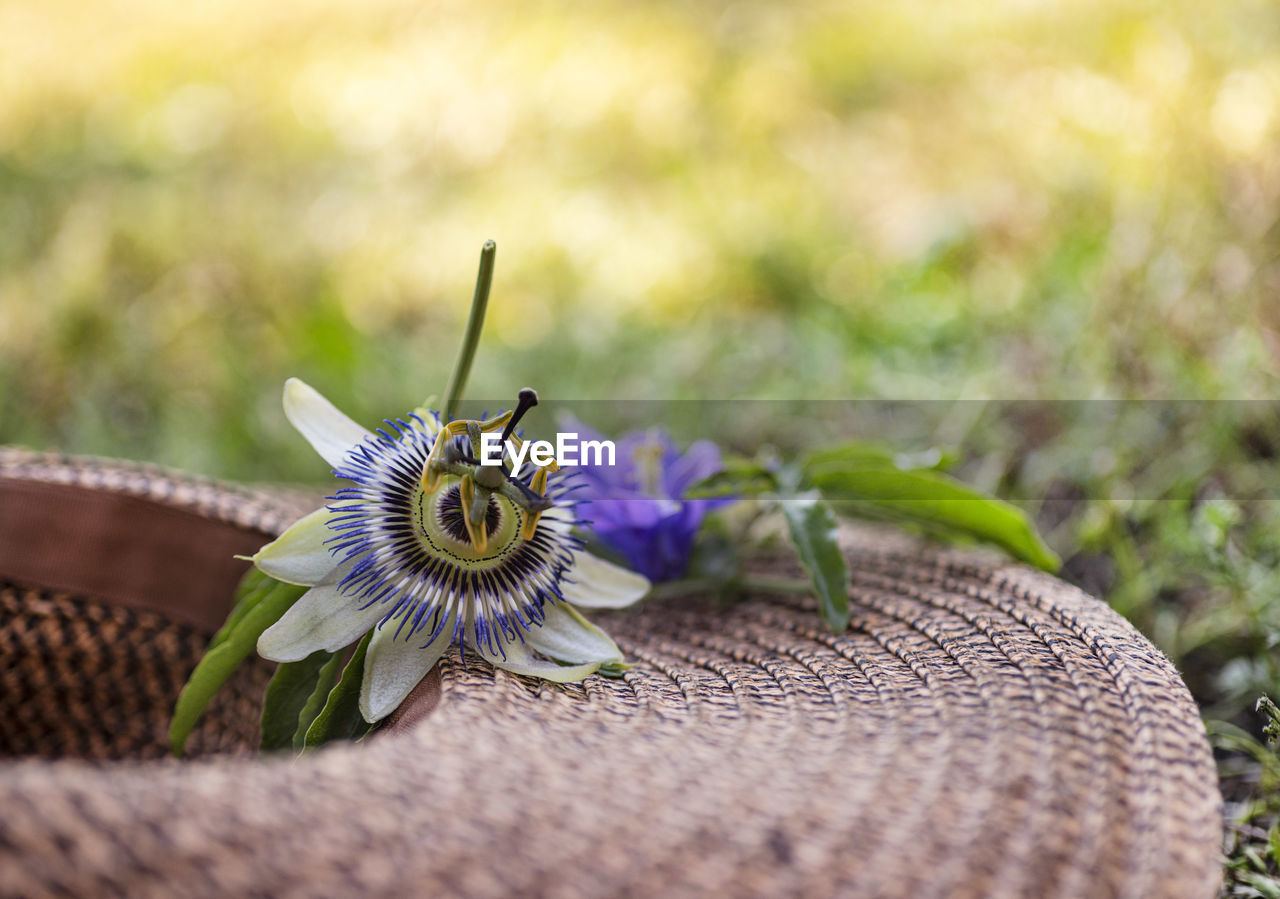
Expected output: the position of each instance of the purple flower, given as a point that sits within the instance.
(635, 506)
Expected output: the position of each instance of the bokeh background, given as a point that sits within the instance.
(980, 199)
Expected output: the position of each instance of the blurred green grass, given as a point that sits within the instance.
(749, 200)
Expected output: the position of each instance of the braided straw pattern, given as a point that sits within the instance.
(86, 679)
(981, 730)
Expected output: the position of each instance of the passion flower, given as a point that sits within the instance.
(432, 551)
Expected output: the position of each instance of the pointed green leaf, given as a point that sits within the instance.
(287, 694)
(615, 669)
(813, 533)
(864, 455)
(252, 588)
(936, 500)
(856, 455)
(340, 719)
(739, 478)
(327, 677)
(221, 661)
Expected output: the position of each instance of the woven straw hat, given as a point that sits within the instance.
(981, 730)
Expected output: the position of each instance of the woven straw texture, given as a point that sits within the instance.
(981, 730)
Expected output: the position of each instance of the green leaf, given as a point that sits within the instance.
(252, 588)
(327, 677)
(739, 478)
(864, 455)
(813, 533)
(290, 689)
(1267, 887)
(615, 669)
(937, 500)
(222, 659)
(850, 455)
(340, 719)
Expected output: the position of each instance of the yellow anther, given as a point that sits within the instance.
(539, 486)
(430, 477)
(479, 534)
(530, 525)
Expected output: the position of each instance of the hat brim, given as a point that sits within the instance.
(981, 730)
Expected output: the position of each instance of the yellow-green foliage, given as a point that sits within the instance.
(905, 199)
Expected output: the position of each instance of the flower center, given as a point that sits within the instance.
(438, 525)
(449, 513)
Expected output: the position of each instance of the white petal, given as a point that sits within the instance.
(569, 637)
(322, 619)
(394, 665)
(593, 583)
(299, 556)
(558, 518)
(330, 432)
(521, 660)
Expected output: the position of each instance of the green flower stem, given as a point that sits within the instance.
(762, 584)
(475, 324)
